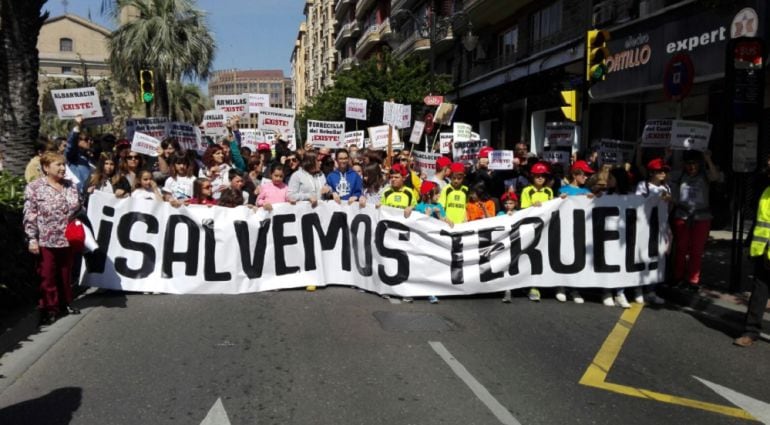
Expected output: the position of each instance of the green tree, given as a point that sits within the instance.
(168, 36)
(20, 23)
(186, 102)
(378, 79)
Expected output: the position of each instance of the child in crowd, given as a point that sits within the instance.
(231, 198)
(509, 200)
(533, 196)
(479, 204)
(429, 205)
(273, 192)
(178, 188)
(145, 187)
(203, 192)
(397, 195)
(454, 196)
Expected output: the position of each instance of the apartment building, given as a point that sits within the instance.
(235, 81)
(314, 58)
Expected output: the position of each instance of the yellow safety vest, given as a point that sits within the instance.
(761, 236)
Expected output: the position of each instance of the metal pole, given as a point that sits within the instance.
(432, 23)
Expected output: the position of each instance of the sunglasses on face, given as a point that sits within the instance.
(132, 157)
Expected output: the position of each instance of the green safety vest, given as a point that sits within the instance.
(761, 236)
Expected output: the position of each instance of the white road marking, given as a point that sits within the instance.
(217, 415)
(757, 408)
(502, 414)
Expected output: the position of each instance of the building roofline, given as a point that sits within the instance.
(80, 20)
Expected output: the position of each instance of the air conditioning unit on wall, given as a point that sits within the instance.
(603, 12)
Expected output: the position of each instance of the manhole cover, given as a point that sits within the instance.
(413, 322)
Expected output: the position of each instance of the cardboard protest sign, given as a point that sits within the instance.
(467, 152)
(417, 129)
(232, 105)
(404, 117)
(355, 108)
(185, 134)
(73, 102)
(251, 138)
(426, 162)
(257, 100)
(690, 135)
(378, 137)
(278, 119)
(390, 113)
(326, 134)
(144, 144)
(461, 132)
(354, 138)
(445, 113)
(657, 134)
(561, 134)
(557, 157)
(214, 124)
(445, 142)
(615, 152)
(501, 160)
(154, 126)
(105, 119)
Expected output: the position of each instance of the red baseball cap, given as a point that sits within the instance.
(263, 147)
(509, 195)
(540, 168)
(484, 152)
(427, 186)
(582, 166)
(442, 162)
(658, 164)
(457, 167)
(398, 169)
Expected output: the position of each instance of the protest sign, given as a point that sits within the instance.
(445, 142)
(657, 134)
(326, 134)
(154, 126)
(557, 157)
(501, 160)
(405, 117)
(355, 108)
(690, 135)
(73, 102)
(445, 113)
(426, 162)
(396, 114)
(257, 100)
(184, 133)
(232, 105)
(233, 250)
(461, 132)
(417, 129)
(467, 152)
(354, 138)
(105, 119)
(251, 138)
(278, 119)
(378, 136)
(214, 124)
(475, 136)
(144, 144)
(615, 152)
(560, 134)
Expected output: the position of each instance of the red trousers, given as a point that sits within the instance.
(55, 270)
(690, 238)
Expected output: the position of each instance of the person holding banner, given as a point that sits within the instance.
(216, 169)
(274, 191)
(146, 188)
(202, 192)
(308, 183)
(533, 196)
(454, 197)
(374, 184)
(398, 195)
(107, 179)
(50, 202)
(130, 166)
(178, 188)
(346, 184)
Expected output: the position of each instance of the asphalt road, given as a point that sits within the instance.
(339, 356)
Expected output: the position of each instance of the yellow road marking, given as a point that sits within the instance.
(596, 374)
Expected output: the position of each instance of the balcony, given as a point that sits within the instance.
(347, 64)
(384, 29)
(443, 36)
(341, 8)
(364, 6)
(396, 5)
(413, 43)
(369, 39)
(351, 29)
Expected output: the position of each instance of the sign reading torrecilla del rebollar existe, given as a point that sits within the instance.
(612, 242)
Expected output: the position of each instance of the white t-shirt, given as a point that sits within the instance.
(143, 194)
(180, 187)
(645, 189)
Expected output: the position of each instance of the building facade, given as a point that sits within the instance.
(272, 82)
(315, 55)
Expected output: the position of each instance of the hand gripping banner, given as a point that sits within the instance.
(610, 242)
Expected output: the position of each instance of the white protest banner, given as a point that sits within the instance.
(417, 129)
(251, 138)
(615, 152)
(445, 142)
(378, 137)
(156, 127)
(214, 124)
(355, 109)
(501, 160)
(557, 157)
(257, 100)
(560, 134)
(445, 113)
(185, 134)
(232, 105)
(144, 144)
(354, 138)
(234, 250)
(461, 132)
(73, 102)
(278, 119)
(326, 134)
(657, 134)
(467, 152)
(691, 135)
(405, 117)
(475, 136)
(390, 113)
(425, 162)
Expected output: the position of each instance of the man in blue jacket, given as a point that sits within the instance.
(76, 153)
(346, 184)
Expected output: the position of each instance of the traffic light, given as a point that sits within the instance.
(596, 55)
(571, 108)
(147, 81)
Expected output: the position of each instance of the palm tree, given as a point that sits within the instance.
(169, 37)
(186, 102)
(20, 23)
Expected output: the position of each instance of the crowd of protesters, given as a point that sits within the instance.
(231, 175)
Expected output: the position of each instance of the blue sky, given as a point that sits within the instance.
(250, 34)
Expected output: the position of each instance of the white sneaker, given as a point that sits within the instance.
(560, 295)
(576, 297)
(507, 296)
(607, 300)
(638, 296)
(621, 301)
